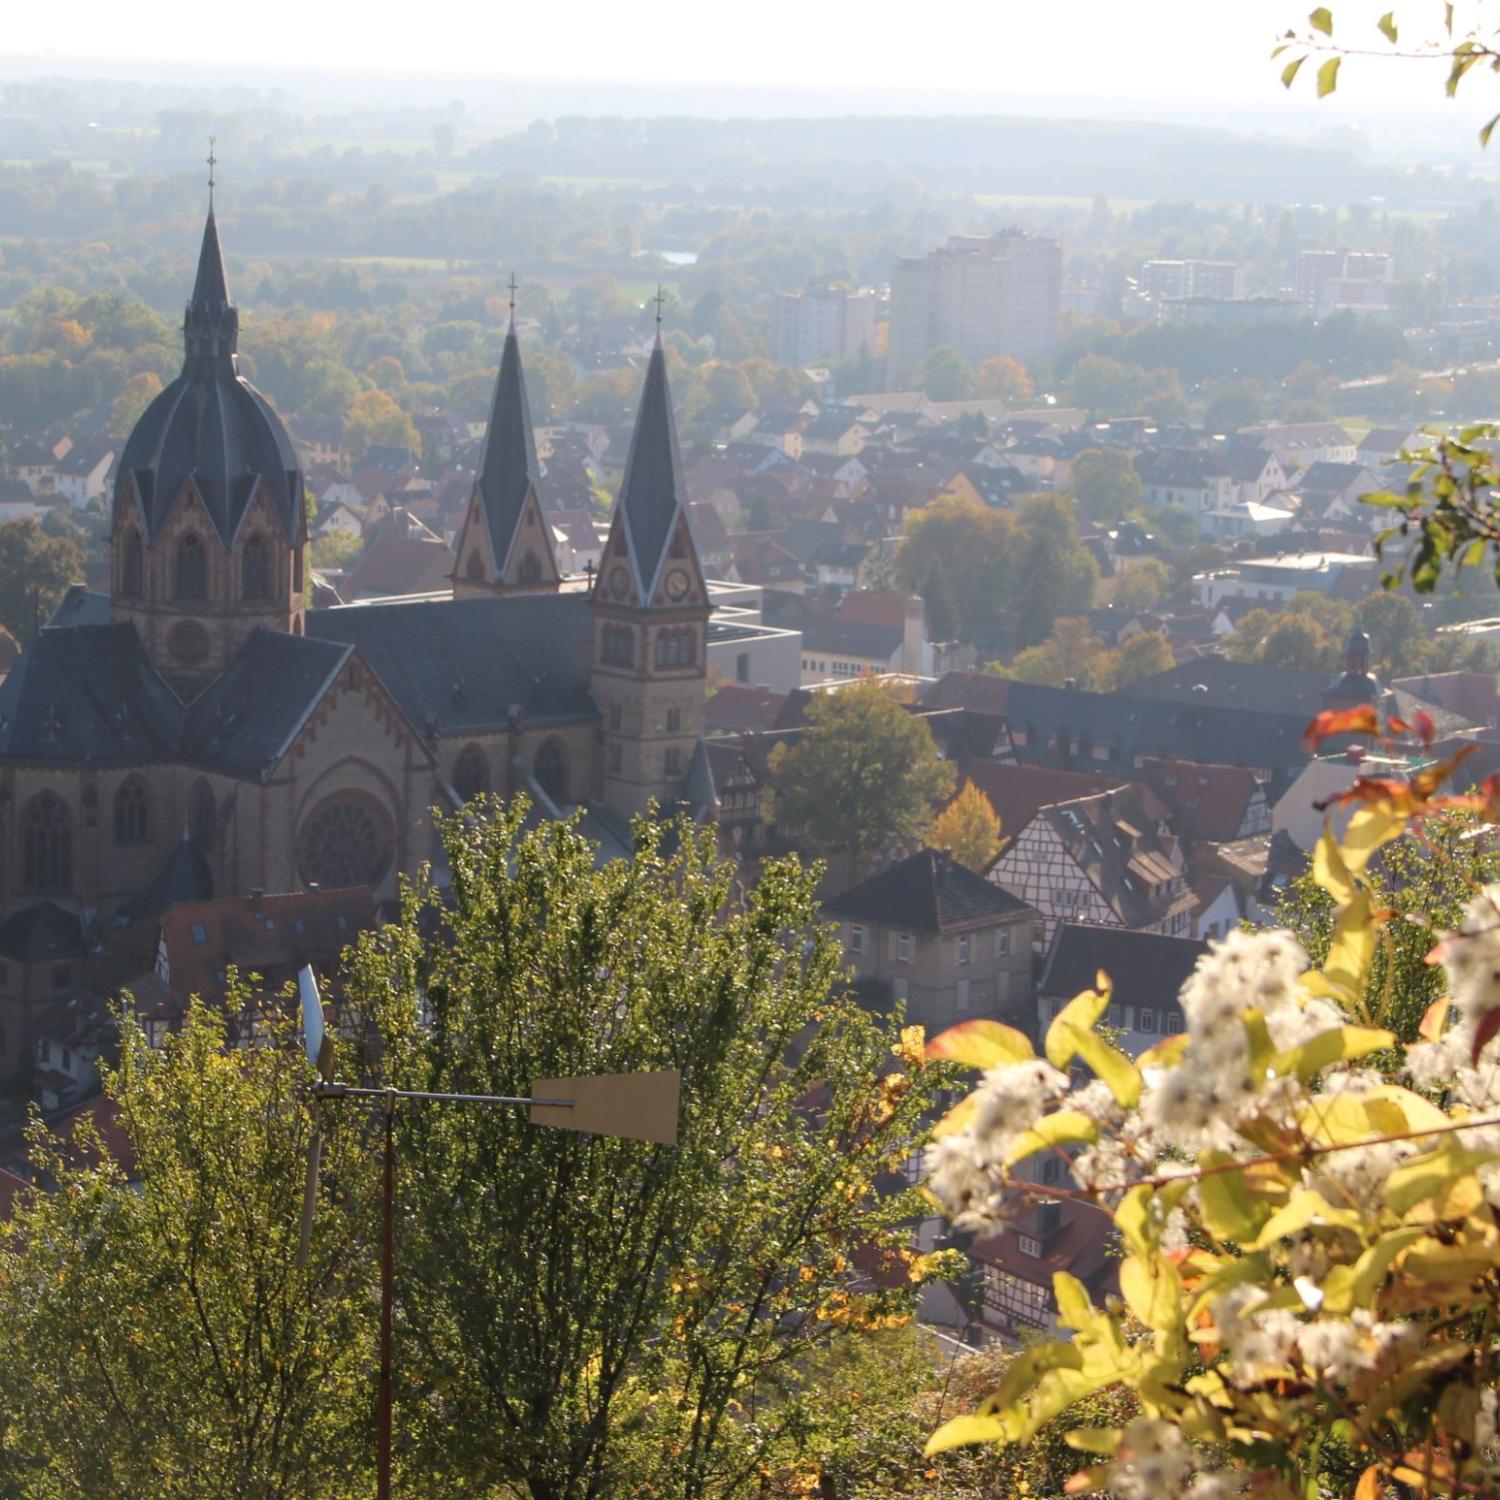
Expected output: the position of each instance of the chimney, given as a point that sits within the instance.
(914, 637)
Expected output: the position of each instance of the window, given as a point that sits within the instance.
(47, 844)
(133, 573)
(903, 947)
(551, 770)
(742, 667)
(1028, 1245)
(676, 648)
(199, 933)
(192, 568)
(617, 646)
(1013, 1299)
(531, 569)
(475, 570)
(471, 773)
(1174, 1022)
(856, 939)
(1146, 1020)
(255, 569)
(1051, 1169)
(614, 758)
(1002, 942)
(130, 812)
(674, 720)
(963, 950)
(616, 716)
(202, 816)
(347, 840)
(672, 763)
(963, 994)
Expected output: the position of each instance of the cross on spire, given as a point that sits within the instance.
(661, 298)
(213, 161)
(513, 284)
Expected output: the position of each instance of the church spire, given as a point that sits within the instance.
(211, 325)
(652, 495)
(508, 467)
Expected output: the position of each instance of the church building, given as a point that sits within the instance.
(200, 731)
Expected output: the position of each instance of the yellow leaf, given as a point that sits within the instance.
(1368, 1487)
(1370, 829)
(1346, 1119)
(1321, 20)
(1352, 950)
(1132, 1218)
(1431, 1174)
(1082, 1012)
(1074, 1310)
(1167, 1053)
(957, 1432)
(1093, 1439)
(1306, 1209)
(1337, 1044)
(1230, 1211)
(1348, 1287)
(958, 1118)
(1108, 1063)
(981, 1044)
(1329, 871)
(1151, 1288)
(1328, 77)
(1066, 1127)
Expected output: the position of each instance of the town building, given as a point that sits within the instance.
(1328, 280)
(1160, 280)
(828, 321)
(981, 295)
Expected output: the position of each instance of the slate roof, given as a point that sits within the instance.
(458, 666)
(210, 426)
(737, 707)
(244, 721)
(1017, 793)
(652, 492)
(87, 694)
(928, 892)
(42, 933)
(848, 638)
(184, 876)
(1146, 968)
(508, 467)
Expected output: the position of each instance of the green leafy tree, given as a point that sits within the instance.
(161, 1340)
(135, 396)
(968, 541)
(1107, 387)
(1054, 573)
(35, 572)
(1143, 655)
(1399, 644)
(1004, 378)
(1143, 585)
(374, 420)
(1296, 641)
(1105, 484)
(595, 1317)
(968, 829)
(865, 772)
(1068, 654)
(948, 376)
(938, 600)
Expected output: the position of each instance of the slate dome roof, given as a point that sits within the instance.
(210, 425)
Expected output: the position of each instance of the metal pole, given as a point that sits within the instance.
(387, 1280)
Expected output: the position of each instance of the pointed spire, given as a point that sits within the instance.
(652, 494)
(211, 325)
(210, 287)
(508, 466)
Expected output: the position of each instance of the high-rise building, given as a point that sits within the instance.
(1161, 280)
(826, 322)
(980, 295)
(1330, 279)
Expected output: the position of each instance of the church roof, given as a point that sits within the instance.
(184, 876)
(653, 492)
(459, 666)
(508, 466)
(87, 694)
(210, 427)
(42, 933)
(245, 720)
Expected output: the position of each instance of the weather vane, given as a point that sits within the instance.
(212, 163)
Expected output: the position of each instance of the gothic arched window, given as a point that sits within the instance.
(203, 817)
(531, 568)
(475, 570)
(192, 568)
(47, 844)
(346, 840)
(619, 646)
(675, 648)
(255, 569)
(130, 812)
(471, 773)
(133, 571)
(551, 770)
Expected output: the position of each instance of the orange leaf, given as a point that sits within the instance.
(1334, 721)
(1368, 1487)
(1435, 1021)
(1387, 789)
(1087, 1480)
(1426, 729)
(1425, 783)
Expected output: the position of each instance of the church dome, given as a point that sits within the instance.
(210, 425)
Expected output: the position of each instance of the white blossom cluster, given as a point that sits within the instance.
(1154, 1462)
(1009, 1100)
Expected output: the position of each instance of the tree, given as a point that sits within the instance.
(135, 396)
(938, 601)
(585, 1316)
(1143, 655)
(374, 420)
(1067, 655)
(1143, 585)
(1105, 484)
(968, 829)
(1233, 407)
(1107, 387)
(1299, 1192)
(969, 541)
(36, 570)
(171, 1323)
(1004, 378)
(1400, 645)
(947, 375)
(1295, 641)
(865, 772)
(1054, 573)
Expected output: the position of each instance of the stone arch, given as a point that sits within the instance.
(132, 812)
(190, 575)
(471, 773)
(47, 844)
(551, 768)
(347, 839)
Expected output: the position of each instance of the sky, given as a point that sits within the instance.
(1201, 59)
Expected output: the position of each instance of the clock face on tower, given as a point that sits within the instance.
(676, 583)
(619, 580)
